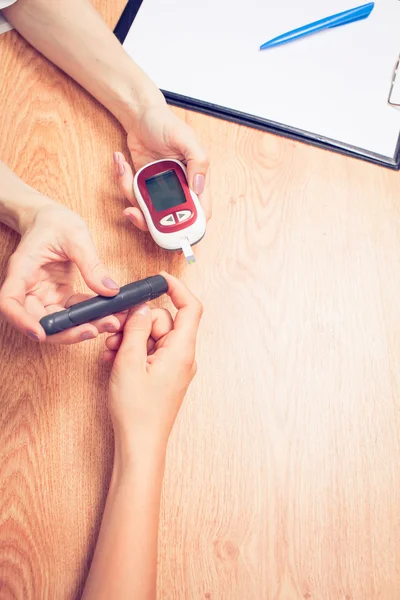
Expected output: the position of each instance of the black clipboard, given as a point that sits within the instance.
(121, 31)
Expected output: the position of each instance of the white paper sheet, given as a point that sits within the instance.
(4, 25)
(334, 84)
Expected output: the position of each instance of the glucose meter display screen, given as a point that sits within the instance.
(165, 191)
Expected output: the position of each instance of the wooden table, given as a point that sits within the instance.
(283, 476)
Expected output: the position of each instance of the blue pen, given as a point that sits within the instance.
(348, 16)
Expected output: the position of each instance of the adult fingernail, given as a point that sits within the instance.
(110, 328)
(110, 283)
(121, 169)
(198, 184)
(88, 335)
(33, 336)
(142, 310)
(116, 157)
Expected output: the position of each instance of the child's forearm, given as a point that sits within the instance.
(125, 559)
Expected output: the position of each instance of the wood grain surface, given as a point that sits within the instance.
(283, 475)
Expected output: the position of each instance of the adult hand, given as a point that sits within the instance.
(159, 133)
(42, 273)
(154, 364)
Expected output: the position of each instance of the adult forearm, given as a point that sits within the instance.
(125, 559)
(18, 201)
(72, 35)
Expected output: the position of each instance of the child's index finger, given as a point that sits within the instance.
(190, 309)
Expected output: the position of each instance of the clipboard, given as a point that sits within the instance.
(250, 119)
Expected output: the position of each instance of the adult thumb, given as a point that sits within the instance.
(92, 268)
(196, 159)
(137, 331)
(197, 167)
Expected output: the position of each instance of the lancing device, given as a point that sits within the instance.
(129, 296)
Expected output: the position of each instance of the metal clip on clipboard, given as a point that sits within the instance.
(394, 94)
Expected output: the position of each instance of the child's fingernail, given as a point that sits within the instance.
(33, 336)
(88, 335)
(116, 157)
(198, 184)
(142, 310)
(110, 283)
(111, 328)
(121, 169)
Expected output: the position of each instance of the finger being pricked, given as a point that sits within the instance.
(113, 343)
(187, 319)
(162, 324)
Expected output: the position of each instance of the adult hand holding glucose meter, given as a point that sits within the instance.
(172, 210)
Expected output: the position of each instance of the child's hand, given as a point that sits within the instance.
(154, 364)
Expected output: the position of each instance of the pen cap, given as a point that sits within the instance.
(158, 285)
(56, 322)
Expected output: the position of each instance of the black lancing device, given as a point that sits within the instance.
(129, 296)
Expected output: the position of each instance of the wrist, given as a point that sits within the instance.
(20, 214)
(132, 110)
(133, 457)
(131, 449)
(134, 99)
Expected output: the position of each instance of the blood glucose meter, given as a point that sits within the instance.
(172, 210)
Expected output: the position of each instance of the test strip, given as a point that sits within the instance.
(187, 251)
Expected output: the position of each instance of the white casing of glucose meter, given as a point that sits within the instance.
(172, 241)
